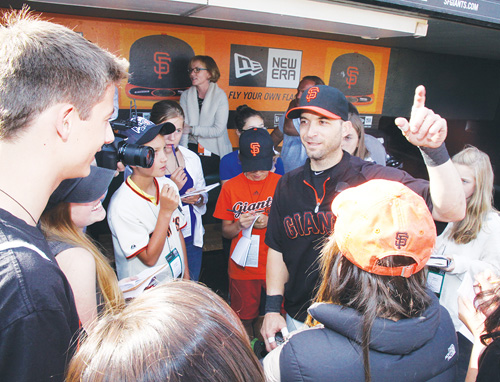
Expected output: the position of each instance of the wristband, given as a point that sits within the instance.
(273, 303)
(434, 157)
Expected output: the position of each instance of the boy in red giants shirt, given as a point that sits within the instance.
(243, 199)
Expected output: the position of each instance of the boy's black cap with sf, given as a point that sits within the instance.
(145, 131)
(256, 150)
(324, 100)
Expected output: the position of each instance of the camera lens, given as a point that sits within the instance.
(134, 155)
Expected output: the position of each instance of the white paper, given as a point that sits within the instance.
(253, 252)
(240, 252)
(135, 285)
(186, 231)
(200, 191)
(437, 261)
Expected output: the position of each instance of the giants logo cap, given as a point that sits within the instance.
(353, 74)
(324, 100)
(158, 68)
(256, 150)
(380, 219)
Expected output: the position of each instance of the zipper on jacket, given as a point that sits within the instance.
(318, 200)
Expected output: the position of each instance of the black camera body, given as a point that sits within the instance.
(120, 151)
(127, 153)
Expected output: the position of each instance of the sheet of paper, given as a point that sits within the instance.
(186, 231)
(135, 285)
(240, 252)
(253, 252)
(200, 191)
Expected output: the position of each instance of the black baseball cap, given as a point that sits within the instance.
(145, 131)
(83, 190)
(325, 100)
(158, 67)
(256, 150)
(354, 75)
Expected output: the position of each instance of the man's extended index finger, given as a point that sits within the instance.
(419, 100)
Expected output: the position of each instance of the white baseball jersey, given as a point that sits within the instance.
(132, 219)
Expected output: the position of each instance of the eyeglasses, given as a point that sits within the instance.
(196, 70)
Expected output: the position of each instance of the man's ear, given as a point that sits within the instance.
(345, 128)
(65, 116)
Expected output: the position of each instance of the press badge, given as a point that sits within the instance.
(174, 262)
(435, 280)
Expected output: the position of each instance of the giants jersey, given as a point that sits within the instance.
(242, 195)
(132, 219)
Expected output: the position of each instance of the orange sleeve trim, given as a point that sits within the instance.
(136, 253)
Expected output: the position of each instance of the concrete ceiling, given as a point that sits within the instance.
(443, 36)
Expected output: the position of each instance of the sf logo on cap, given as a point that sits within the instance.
(255, 148)
(312, 93)
(162, 60)
(401, 239)
(352, 76)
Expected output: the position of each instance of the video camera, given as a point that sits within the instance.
(121, 151)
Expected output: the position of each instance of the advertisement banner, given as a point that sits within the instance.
(257, 69)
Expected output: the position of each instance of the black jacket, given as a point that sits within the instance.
(301, 218)
(409, 350)
(38, 318)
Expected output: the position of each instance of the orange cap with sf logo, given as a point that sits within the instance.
(380, 219)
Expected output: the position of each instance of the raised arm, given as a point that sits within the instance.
(169, 201)
(427, 130)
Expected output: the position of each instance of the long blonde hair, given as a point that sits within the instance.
(178, 331)
(481, 201)
(58, 226)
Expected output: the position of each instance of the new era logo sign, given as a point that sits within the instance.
(244, 66)
(258, 66)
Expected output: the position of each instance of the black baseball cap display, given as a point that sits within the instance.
(354, 74)
(158, 67)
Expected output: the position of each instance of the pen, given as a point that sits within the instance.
(175, 156)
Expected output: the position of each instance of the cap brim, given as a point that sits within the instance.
(83, 190)
(153, 131)
(264, 164)
(297, 111)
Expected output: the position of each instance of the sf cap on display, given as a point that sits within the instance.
(382, 218)
(324, 100)
(83, 190)
(158, 67)
(256, 150)
(145, 131)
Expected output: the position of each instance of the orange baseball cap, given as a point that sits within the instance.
(383, 218)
